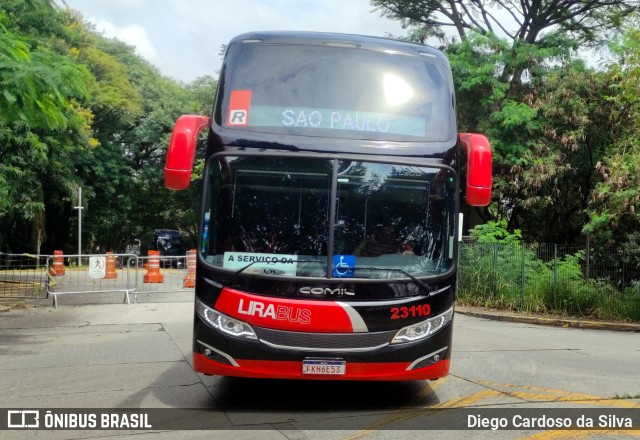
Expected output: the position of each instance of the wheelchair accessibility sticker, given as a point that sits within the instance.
(343, 266)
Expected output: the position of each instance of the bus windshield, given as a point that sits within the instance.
(273, 215)
(339, 92)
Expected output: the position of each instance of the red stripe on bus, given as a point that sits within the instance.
(285, 314)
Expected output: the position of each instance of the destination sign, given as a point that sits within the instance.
(335, 119)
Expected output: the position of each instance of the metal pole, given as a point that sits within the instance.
(495, 270)
(79, 208)
(586, 272)
(523, 275)
(555, 276)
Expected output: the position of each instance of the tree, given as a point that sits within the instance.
(78, 109)
(139, 202)
(36, 85)
(524, 23)
(547, 134)
(41, 120)
(527, 21)
(615, 205)
(519, 80)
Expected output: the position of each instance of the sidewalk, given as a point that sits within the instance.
(558, 321)
(95, 298)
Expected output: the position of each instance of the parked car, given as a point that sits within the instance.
(171, 245)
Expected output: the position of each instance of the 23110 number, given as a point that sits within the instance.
(413, 311)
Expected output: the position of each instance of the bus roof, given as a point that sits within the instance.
(337, 39)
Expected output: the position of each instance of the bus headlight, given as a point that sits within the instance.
(423, 329)
(224, 323)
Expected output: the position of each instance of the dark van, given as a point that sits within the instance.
(169, 243)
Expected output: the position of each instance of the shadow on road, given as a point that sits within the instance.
(304, 396)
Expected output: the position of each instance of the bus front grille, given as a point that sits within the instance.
(343, 342)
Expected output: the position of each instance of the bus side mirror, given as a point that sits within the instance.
(479, 173)
(182, 150)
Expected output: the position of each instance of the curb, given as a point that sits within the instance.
(549, 321)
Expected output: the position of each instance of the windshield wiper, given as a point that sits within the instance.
(233, 276)
(420, 283)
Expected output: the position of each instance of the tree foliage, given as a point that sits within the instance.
(80, 110)
(36, 85)
(563, 130)
(527, 21)
(42, 122)
(524, 30)
(615, 205)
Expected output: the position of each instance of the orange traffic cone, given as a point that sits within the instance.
(189, 281)
(153, 274)
(111, 267)
(57, 267)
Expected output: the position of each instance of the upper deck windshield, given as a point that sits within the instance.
(338, 92)
(276, 216)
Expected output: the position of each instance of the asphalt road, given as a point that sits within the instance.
(138, 356)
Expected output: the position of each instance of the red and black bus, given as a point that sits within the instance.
(330, 201)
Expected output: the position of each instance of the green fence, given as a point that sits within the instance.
(550, 278)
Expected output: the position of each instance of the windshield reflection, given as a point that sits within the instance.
(271, 216)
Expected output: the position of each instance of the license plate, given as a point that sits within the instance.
(324, 366)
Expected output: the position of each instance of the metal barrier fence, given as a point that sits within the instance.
(23, 276)
(113, 273)
(550, 278)
(173, 270)
(92, 273)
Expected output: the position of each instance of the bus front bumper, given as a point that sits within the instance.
(272, 369)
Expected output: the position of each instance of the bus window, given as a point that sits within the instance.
(265, 208)
(272, 210)
(327, 92)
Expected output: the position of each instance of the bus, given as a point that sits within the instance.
(330, 209)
